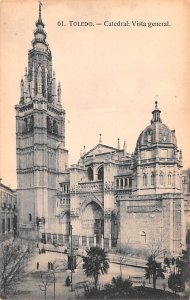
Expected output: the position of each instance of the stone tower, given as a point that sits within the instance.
(40, 137)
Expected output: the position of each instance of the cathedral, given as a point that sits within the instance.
(110, 197)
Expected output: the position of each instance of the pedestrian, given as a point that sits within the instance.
(37, 265)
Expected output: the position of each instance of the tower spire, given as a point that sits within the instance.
(156, 114)
(40, 15)
(40, 10)
(39, 33)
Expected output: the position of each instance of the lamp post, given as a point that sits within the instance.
(71, 255)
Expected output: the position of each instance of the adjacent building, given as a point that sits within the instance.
(8, 212)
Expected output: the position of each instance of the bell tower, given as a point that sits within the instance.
(40, 136)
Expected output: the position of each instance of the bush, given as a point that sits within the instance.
(175, 283)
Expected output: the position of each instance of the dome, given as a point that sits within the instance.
(156, 132)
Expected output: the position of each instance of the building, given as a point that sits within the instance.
(111, 197)
(40, 137)
(186, 192)
(8, 212)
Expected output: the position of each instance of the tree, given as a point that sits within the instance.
(13, 254)
(175, 283)
(153, 270)
(95, 263)
(181, 277)
(46, 281)
(121, 284)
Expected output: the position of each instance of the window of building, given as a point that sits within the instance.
(144, 180)
(3, 226)
(169, 179)
(49, 126)
(121, 181)
(126, 181)
(143, 237)
(117, 182)
(161, 178)
(101, 173)
(55, 127)
(90, 174)
(25, 125)
(9, 224)
(152, 179)
(30, 217)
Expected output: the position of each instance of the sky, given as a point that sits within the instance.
(110, 75)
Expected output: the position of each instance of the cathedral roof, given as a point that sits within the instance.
(156, 132)
(100, 149)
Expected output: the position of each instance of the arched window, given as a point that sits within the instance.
(31, 123)
(121, 181)
(126, 181)
(169, 179)
(30, 217)
(144, 180)
(90, 174)
(117, 182)
(152, 179)
(55, 127)
(101, 173)
(143, 237)
(49, 126)
(25, 125)
(161, 178)
(130, 182)
(9, 224)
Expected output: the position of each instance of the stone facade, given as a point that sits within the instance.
(8, 212)
(111, 197)
(40, 137)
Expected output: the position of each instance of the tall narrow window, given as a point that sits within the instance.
(117, 182)
(143, 237)
(30, 217)
(121, 181)
(161, 178)
(101, 173)
(152, 179)
(144, 180)
(169, 179)
(90, 174)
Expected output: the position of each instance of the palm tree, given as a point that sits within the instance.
(96, 263)
(153, 270)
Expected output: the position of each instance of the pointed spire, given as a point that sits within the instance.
(84, 151)
(118, 143)
(59, 93)
(54, 87)
(21, 90)
(125, 147)
(39, 34)
(156, 114)
(25, 84)
(180, 155)
(39, 22)
(100, 139)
